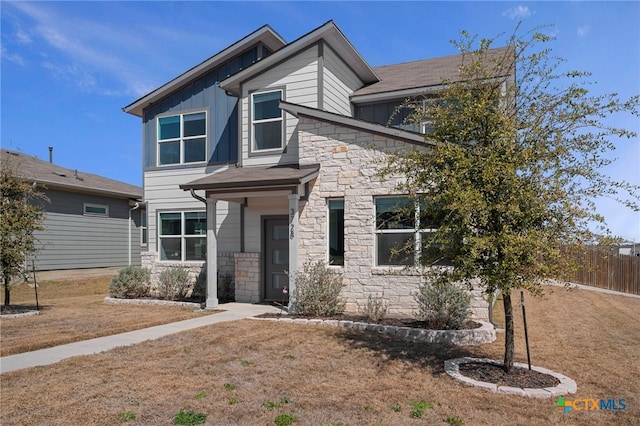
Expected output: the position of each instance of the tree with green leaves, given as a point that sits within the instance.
(21, 214)
(514, 168)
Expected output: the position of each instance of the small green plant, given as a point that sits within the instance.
(369, 408)
(376, 308)
(454, 421)
(200, 395)
(271, 405)
(317, 291)
(441, 304)
(226, 287)
(233, 401)
(418, 408)
(246, 362)
(289, 357)
(189, 418)
(396, 408)
(127, 416)
(229, 386)
(174, 283)
(131, 282)
(284, 419)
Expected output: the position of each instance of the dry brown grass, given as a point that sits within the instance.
(73, 310)
(337, 376)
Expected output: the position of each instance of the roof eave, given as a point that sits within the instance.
(329, 32)
(264, 34)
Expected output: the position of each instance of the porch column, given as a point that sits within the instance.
(212, 255)
(293, 247)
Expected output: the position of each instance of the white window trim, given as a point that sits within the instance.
(99, 206)
(183, 237)
(417, 233)
(144, 228)
(253, 122)
(182, 138)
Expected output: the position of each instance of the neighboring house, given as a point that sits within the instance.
(267, 154)
(90, 221)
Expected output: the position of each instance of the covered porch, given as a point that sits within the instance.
(270, 200)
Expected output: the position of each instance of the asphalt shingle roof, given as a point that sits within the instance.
(418, 74)
(51, 175)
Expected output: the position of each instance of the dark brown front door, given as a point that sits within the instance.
(276, 258)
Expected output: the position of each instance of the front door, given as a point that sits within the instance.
(276, 258)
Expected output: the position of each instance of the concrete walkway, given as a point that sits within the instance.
(232, 312)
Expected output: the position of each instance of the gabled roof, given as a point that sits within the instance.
(33, 169)
(328, 32)
(412, 78)
(264, 34)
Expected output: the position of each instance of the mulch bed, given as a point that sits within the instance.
(16, 309)
(519, 377)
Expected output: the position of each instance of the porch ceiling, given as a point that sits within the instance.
(264, 178)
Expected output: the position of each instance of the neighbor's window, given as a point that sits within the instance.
(183, 236)
(95, 210)
(336, 232)
(266, 120)
(401, 231)
(182, 138)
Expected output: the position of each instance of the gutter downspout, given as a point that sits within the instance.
(137, 206)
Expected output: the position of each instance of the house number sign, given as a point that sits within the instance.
(292, 214)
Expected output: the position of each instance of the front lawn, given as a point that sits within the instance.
(260, 372)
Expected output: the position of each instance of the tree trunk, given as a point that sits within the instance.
(508, 332)
(7, 293)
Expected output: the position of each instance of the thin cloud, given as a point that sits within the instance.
(12, 57)
(518, 12)
(583, 30)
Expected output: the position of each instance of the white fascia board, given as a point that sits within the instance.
(264, 34)
(330, 33)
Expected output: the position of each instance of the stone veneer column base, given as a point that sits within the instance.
(247, 275)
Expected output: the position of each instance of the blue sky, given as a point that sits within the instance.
(68, 68)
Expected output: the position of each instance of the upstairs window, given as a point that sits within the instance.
(95, 210)
(182, 138)
(266, 120)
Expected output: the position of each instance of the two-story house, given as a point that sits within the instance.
(266, 155)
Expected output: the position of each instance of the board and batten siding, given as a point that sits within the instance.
(72, 240)
(339, 82)
(298, 78)
(162, 193)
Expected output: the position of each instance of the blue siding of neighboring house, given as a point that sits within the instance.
(72, 240)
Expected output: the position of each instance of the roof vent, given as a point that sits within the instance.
(59, 174)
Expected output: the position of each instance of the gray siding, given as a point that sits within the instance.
(75, 241)
(339, 83)
(203, 94)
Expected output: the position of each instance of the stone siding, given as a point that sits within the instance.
(247, 277)
(350, 160)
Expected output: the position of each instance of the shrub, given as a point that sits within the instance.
(376, 308)
(226, 287)
(130, 283)
(317, 291)
(173, 283)
(442, 305)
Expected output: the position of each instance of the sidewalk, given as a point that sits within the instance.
(232, 312)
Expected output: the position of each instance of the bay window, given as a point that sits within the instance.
(182, 138)
(182, 236)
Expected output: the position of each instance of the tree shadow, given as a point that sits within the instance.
(422, 354)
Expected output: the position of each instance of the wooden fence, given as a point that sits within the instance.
(608, 270)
